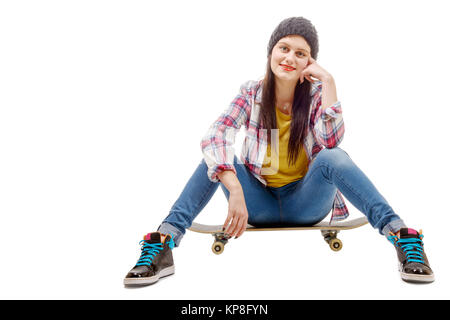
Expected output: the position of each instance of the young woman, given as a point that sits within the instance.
(291, 170)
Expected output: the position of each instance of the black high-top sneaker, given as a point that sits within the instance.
(413, 262)
(156, 260)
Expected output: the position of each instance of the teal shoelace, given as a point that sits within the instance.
(412, 247)
(150, 250)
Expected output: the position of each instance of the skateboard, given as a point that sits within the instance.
(329, 232)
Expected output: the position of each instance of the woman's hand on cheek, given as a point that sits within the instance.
(313, 70)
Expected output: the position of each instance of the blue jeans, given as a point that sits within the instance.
(302, 202)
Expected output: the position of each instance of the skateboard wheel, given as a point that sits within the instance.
(335, 244)
(218, 247)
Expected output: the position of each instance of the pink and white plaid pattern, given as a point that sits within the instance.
(326, 130)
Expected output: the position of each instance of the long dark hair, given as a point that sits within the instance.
(300, 112)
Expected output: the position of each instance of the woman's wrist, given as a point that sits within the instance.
(230, 181)
(235, 189)
(329, 95)
(327, 78)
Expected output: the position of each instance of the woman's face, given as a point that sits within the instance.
(289, 57)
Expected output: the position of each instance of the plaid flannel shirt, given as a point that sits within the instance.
(325, 130)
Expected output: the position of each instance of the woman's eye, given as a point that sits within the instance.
(299, 53)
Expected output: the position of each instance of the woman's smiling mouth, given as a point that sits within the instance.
(286, 67)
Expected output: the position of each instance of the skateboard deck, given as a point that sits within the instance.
(329, 231)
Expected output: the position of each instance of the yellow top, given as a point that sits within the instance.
(275, 169)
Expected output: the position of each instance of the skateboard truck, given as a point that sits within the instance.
(220, 240)
(330, 237)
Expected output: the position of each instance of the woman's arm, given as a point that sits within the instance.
(332, 126)
(329, 95)
(218, 143)
(236, 221)
(230, 181)
(328, 124)
(218, 151)
(327, 113)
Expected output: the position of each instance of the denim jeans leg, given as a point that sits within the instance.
(307, 201)
(262, 206)
(338, 169)
(194, 197)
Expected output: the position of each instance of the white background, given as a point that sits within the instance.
(103, 106)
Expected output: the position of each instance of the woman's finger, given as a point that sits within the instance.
(234, 226)
(242, 227)
(229, 228)
(239, 227)
(227, 222)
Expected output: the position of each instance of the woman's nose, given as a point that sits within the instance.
(289, 58)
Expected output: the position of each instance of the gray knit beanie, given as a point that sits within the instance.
(295, 26)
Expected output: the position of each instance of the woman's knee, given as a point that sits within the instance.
(333, 156)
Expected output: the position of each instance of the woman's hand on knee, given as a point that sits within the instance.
(237, 218)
